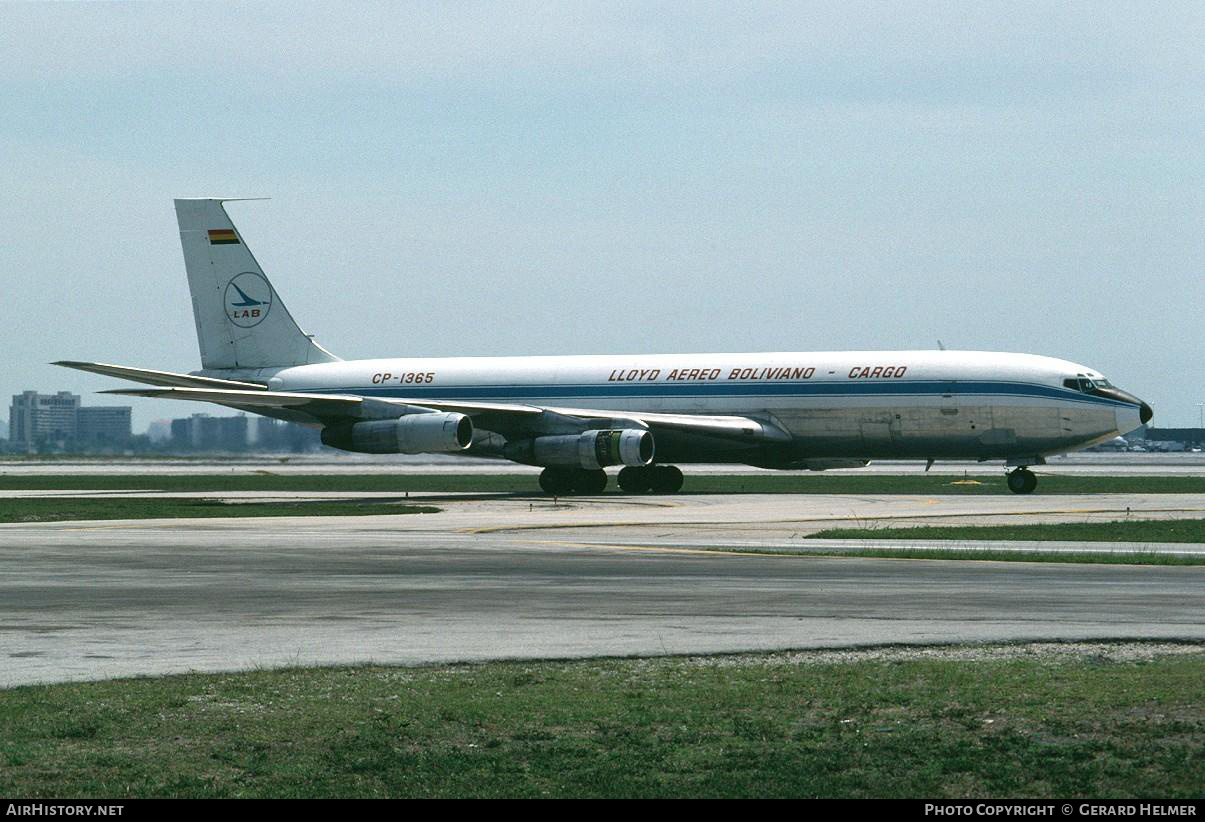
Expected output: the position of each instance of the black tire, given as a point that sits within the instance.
(1022, 481)
(634, 479)
(557, 481)
(590, 482)
(666, 479)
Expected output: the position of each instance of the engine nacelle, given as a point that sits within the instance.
(589, 449)
(433, 433)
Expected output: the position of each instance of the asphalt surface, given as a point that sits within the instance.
(1082, 463)
(509, 577)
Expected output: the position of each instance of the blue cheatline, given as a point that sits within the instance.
(884, 388)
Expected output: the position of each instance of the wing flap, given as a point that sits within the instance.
(472, 408)
(728, 427)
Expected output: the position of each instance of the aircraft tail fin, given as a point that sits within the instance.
(241, 320)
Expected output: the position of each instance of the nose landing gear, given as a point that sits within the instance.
(1022, 481)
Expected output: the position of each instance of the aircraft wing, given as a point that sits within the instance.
(506, 418)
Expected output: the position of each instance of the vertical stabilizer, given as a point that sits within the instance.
(241, 320)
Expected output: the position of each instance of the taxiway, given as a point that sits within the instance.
(514, 577)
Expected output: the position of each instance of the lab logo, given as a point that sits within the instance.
(248, 299)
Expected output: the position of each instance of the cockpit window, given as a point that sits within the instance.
(1086, 385)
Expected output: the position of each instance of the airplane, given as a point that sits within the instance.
(575, 416)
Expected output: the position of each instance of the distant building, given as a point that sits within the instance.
(1147, 438)
(102, 425)
(35, 418)
(39, 421)
(202, 432)
(1187, 437)
(275, 435)
(181, 436)
(159, 431)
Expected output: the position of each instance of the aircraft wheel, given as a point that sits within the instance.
(666, 479)
(557, 481)
(634, 479)
(589, 482)
(1022, 481)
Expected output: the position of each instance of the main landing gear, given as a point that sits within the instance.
(1022, 481)
(563, 481)
(660, 479)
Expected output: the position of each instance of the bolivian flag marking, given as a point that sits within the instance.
(222, 236)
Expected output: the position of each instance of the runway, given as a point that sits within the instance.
(510, 577)
(1083, 463)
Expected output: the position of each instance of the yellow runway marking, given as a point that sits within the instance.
(775, 555)
(144, 524)
(652, 548)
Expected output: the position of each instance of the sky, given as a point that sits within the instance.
(470, 178)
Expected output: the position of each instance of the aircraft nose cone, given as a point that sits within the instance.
(1145, 412)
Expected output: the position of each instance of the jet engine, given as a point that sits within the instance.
(411, 434)
(589, 449)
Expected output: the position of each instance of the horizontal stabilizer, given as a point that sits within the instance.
(268, 399)
(153, 377)
(324, 408)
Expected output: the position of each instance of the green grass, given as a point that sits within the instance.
(1188, 531)
(808, 483)
(1150, 530)
(1065, 726)
(60, 509)
(986, 555)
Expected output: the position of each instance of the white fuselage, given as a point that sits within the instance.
(870, 405)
